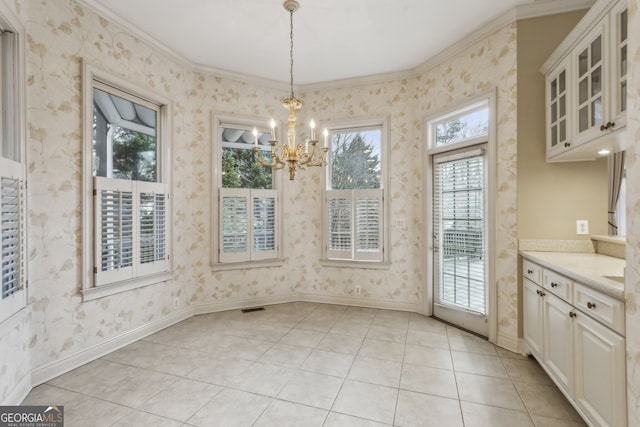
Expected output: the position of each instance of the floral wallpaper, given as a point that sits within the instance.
(58, 324)
(632, 279)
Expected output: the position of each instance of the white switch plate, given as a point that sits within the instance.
(582, 226)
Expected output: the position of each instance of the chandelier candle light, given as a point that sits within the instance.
(295, 156)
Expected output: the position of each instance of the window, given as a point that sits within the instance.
(127, 179)
(12, 178)
(247, 224)
(355, 207)
(459, 127)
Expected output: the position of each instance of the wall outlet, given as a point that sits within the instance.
(582, 226)
(176, 302)
(358, 290)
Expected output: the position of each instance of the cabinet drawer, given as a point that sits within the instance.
(608, 311)
(557, 284)
(532, 271)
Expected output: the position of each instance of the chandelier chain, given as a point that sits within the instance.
(291, 50)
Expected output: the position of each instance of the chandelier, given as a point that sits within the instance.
(289, 154)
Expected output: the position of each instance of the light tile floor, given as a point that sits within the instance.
(304, 364)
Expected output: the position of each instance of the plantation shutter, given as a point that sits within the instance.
(248, 225)
(234, 215)
(114, 230)
(355, 224)
(12, 238)
(340, 224)
(152, 227)
(459, 230)
(368, 225)
(264, 224)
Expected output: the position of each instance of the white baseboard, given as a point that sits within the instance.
(47, 372)
(18, 394)
(214, 307)
(359, 302)
(300, 297)
(510, 343)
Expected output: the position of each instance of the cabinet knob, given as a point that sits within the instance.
(542, 293)
(554, 285)
(538, 291)
(529, 271)
(573, 314)
(567, 144)
(591, 305)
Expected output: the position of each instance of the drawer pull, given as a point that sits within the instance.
(573, 314)
(538, 291)
(529, 271)
(591, 305)
(554, 285)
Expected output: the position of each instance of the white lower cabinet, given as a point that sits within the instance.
(557, 350)
(600, 372)
(532, 317)
(585, 358)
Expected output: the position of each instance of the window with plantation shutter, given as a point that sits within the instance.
(12, 238)
(13, 210)
(248, 225)
(127, 209)
(246, 230)
(130, 232)
(355, 227)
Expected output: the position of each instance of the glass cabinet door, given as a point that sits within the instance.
(590, 70)
(557, 104)
(619, 66)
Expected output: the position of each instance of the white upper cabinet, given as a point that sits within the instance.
(585, 81)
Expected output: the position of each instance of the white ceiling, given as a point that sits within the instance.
(333, 39)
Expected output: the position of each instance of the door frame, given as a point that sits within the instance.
(491, 200)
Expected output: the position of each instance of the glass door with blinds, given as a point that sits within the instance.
(459, 230)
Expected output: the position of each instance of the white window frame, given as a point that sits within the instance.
(487, 99)
(14, 168)
(353, 257)
(143, 275)
(250, 258)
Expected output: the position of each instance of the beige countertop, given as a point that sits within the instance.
(591, 269)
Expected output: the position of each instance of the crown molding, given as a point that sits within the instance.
(551, 7)
(534, 10)
(125, 25)
(359, 81)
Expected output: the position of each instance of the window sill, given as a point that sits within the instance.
(277, 262)
(373, 265)
(114, 288)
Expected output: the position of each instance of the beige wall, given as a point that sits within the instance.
(551, 196)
